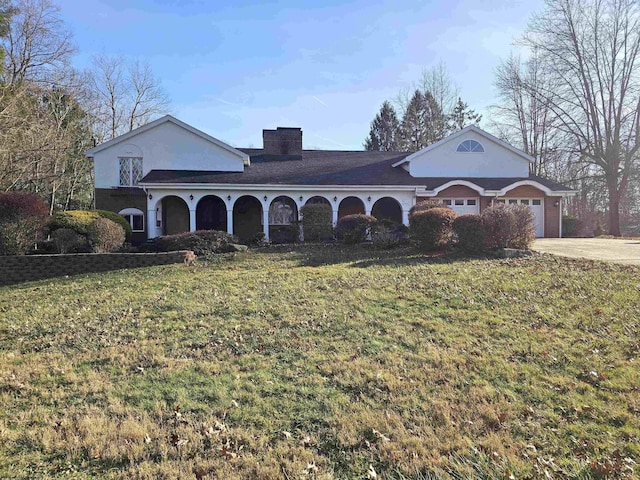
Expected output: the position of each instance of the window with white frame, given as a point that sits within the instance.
(470, 146)
(130, 171)
(135, 218)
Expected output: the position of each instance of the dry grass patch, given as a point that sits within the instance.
(323, 362)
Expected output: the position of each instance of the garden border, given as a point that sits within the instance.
(24, 268)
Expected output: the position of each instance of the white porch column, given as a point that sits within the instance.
(335, 218)
(151, 223)
(230, 221)
(405, 217)
(192, 220)
(367, 210)
(265, 223)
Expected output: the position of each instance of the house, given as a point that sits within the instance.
(168, 177)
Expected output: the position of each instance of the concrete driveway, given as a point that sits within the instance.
(605, 249)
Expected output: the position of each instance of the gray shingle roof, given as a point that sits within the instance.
(324, 167)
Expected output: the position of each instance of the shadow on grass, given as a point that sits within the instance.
(365, 255)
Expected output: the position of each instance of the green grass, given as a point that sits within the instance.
(323, 362)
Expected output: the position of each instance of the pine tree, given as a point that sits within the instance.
(423, 122)
(384, 132)
(462, 116)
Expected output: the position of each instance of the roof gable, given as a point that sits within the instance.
(457, 136)
(161, 121)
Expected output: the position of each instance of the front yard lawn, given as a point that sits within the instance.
(324, 362)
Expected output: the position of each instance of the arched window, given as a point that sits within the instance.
(470, 146)
(135, 218)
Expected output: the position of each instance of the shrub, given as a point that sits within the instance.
(352, 229)
(105, 235)
(317, 222)
(425, 205)
(22, 218)
(388, 234)
(470, 232)
(498, 222)
(119, 219)
(80, 220)
(285, 233)
(523, 233)
(66, 240)
(432, 228)
(201, 242)
(571, 226)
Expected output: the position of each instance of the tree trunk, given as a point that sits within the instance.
(614, 207)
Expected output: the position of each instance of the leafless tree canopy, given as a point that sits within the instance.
(37, 42)
(127, 95)
(50, 114)
(581, 91)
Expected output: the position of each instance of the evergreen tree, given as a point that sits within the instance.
(423, 122)
(385, 130)
(462, 116)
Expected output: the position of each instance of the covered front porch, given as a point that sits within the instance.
(248, 212)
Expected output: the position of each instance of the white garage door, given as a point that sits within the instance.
(537, 208)
(463, 206)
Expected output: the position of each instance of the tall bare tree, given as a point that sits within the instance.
(589, 52)
(127, 95)
(37, 42)
(526, 119)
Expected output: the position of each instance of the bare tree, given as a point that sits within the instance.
(37, 42)
(525, 119)
(127, 95)
(589, 52)
(443, 89)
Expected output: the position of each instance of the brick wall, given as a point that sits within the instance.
(117, 199)
(283, 141)
(23, 268)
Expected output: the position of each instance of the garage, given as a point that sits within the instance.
(463, 206)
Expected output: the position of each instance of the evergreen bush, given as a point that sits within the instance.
(470, 232)
(105, 235)
(352, 229)
(317, 222)
(201, 242)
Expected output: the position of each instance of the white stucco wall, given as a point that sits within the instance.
(164, 147)
(444, 161)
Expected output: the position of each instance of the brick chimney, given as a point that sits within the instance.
(283, 141)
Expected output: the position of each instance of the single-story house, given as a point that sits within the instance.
(168, 177)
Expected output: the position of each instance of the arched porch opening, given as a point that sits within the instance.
(283, 218)
(175, 215)
(350, 206)
(318, 200)
(387, 208)
(211, 214)
(247, 217)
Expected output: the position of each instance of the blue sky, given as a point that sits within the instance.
(234, 68)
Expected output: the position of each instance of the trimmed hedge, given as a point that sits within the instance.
(105, 236)
(201, 242)
(352, 229)
(470, 232)
(22, 218)
(317, 222)
(432, 229)
(80, 220)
